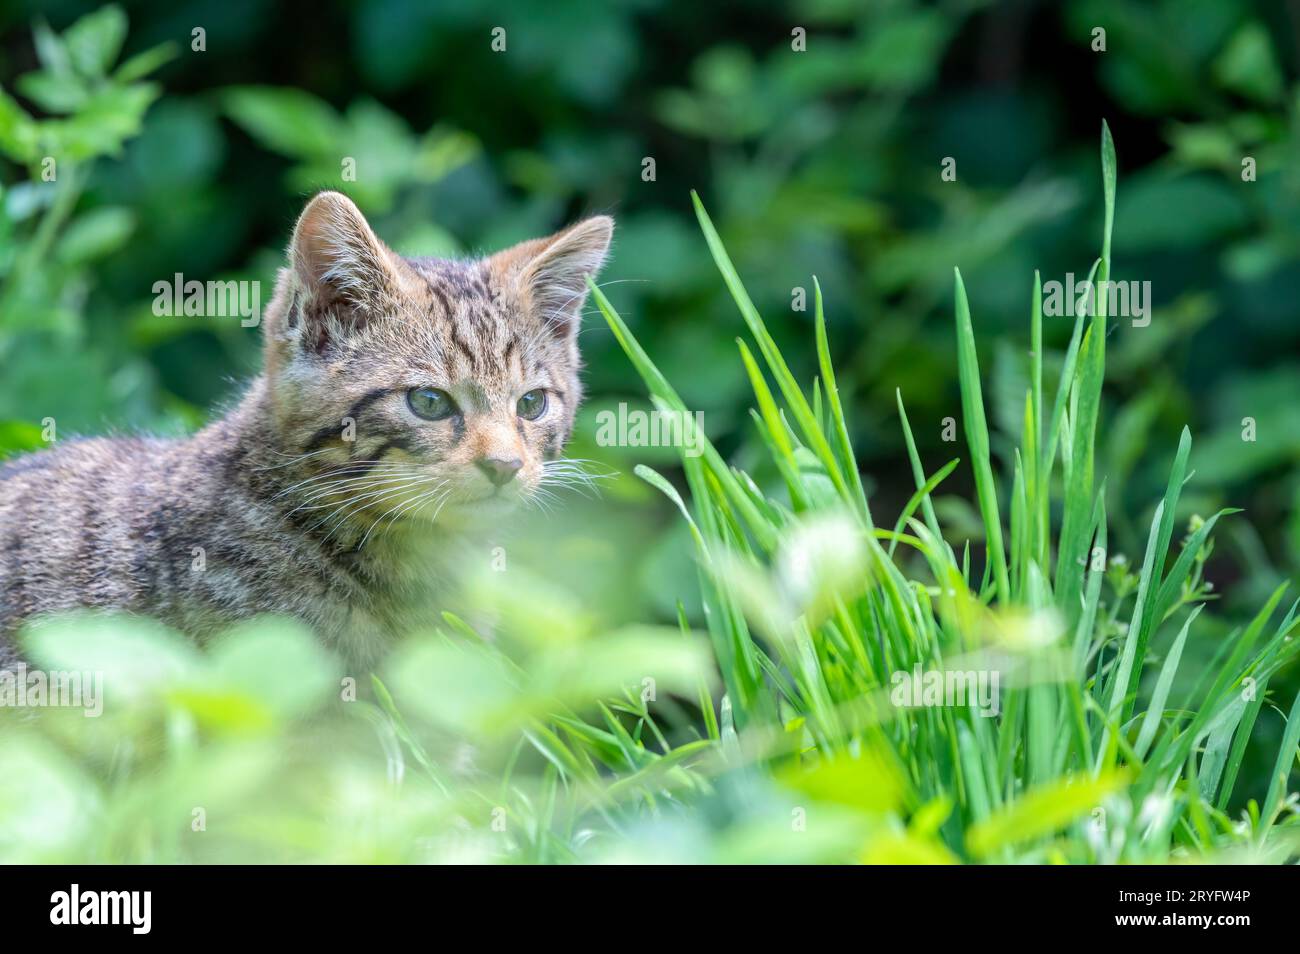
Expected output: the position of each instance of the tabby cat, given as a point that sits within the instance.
(404, 403)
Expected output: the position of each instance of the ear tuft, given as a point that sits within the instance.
(553, 271)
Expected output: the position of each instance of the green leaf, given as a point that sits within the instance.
(51, 49)
(17, 437)
(795, 400)
(1041, 811)
(869, 782)
(1109, 172)
(276, 662)
(1286, 757)
(137, 657)
(94, 41)
(95, 234)
(844, 445)
(143, 63)
(758, 524)
(288, 121)
(19, 133)
(1144, 617)
(442, 151)
(1171, 588)
(51, 808)
(108, 118)
(977, 437)
(1248, 64)
(53, 92)
(1155, 712)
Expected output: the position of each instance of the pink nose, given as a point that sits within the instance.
(499, 470)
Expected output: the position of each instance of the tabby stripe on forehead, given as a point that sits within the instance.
(464, 348)
(437, 293)
(333, 432)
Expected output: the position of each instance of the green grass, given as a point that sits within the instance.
(773, 734)
(1092, 731)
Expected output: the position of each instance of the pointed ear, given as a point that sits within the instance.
(551, 273)
(344, 274)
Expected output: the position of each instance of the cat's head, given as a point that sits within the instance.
(427, 381)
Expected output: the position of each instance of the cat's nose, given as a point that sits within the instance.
(500, 470)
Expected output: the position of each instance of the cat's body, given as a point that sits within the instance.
(395, 390)
(199, 533)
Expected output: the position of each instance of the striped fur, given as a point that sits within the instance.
(316, 496)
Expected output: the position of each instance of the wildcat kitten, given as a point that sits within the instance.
(394, 391)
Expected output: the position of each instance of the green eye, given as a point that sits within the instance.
(430, 403)
(532, 405)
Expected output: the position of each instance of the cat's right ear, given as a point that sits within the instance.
(343, 275)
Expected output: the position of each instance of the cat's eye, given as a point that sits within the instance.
(430, 403)
(532, 405)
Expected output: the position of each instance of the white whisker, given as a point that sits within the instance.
(393, 514)
(350, 484)
(357, 467)
(354, 505)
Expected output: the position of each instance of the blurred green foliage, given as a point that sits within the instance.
(264, 747)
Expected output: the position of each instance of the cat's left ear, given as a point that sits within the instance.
(552, 273)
